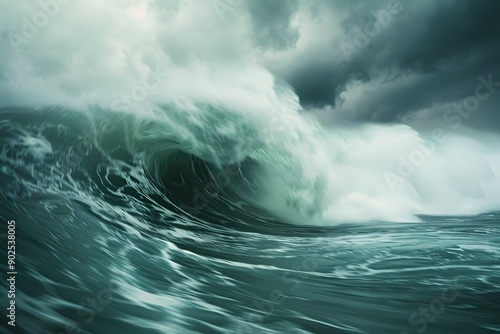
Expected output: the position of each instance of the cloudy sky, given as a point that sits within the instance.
(348, 61)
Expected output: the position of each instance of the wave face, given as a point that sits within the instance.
(288, 165)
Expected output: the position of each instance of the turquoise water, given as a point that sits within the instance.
(124, 236)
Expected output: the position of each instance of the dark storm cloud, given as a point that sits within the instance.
(377, 60)
(432, 52)
(271, 23)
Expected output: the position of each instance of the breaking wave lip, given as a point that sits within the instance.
(306, 174)
(242, 115)
(277, 161)
(248, 136)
